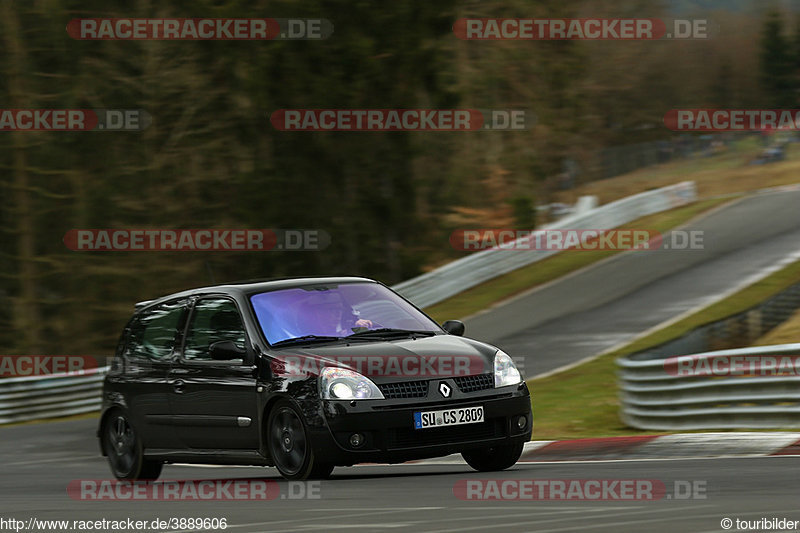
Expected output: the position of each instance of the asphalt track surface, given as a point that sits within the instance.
(611, 302)
(561, 323)
(39, 461)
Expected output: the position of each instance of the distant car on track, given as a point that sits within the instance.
(770, 155)
(305, 374)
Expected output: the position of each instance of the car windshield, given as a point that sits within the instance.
(325, 311)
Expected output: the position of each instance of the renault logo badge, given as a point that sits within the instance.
(444, 389)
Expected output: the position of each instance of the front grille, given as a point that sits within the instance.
(407, 389)
(475, 383)
(411, 438)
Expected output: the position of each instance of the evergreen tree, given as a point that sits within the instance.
(777, 64)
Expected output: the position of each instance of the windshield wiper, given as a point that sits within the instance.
(306, 339)
(390, 332)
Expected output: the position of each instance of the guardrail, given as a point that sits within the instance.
(37, 397)
(662, 394)
(446, 281)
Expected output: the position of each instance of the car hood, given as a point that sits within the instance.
(439, 356)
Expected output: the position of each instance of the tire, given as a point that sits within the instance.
(125, 452)
(290, 447)
(494, 458)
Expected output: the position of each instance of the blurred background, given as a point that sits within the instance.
(389, 201)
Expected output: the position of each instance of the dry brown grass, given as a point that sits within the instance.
(786, 333)
(725, 174)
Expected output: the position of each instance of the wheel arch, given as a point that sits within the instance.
(268, 407)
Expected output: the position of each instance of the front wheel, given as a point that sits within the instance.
(290, 447)
(495, 457)
(123, 446)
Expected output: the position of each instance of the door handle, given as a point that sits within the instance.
(178, 385)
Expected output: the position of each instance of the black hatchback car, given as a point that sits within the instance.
(305, 375)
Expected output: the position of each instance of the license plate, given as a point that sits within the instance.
(448, 417)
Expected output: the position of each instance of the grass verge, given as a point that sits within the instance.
(495, 290)
(582, 402)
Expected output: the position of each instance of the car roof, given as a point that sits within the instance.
(253, 287)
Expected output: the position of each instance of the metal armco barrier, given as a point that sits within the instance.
(652, 397)
(660, 394)
(439, 284)
(37, 397)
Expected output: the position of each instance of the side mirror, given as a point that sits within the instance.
(226, 351)
(454, 327)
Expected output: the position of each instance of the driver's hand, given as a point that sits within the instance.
(361, 323)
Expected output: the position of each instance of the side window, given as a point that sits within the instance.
(153, 333)
(213, 320)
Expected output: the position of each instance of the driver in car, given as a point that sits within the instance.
(331, 319)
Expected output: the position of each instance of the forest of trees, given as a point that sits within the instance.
(211, 159)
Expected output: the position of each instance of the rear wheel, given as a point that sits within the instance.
(123, 446)
(290, 447)
(495, 457)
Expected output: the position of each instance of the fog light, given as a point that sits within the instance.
(522, 422)
(356, 440)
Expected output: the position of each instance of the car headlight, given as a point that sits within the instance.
(343, 384)
(505, 371)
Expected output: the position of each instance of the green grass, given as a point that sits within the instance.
(493, 291)
(582, 401)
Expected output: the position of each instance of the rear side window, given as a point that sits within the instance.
(154, 332)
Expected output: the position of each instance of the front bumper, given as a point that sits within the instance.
(389, 434)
